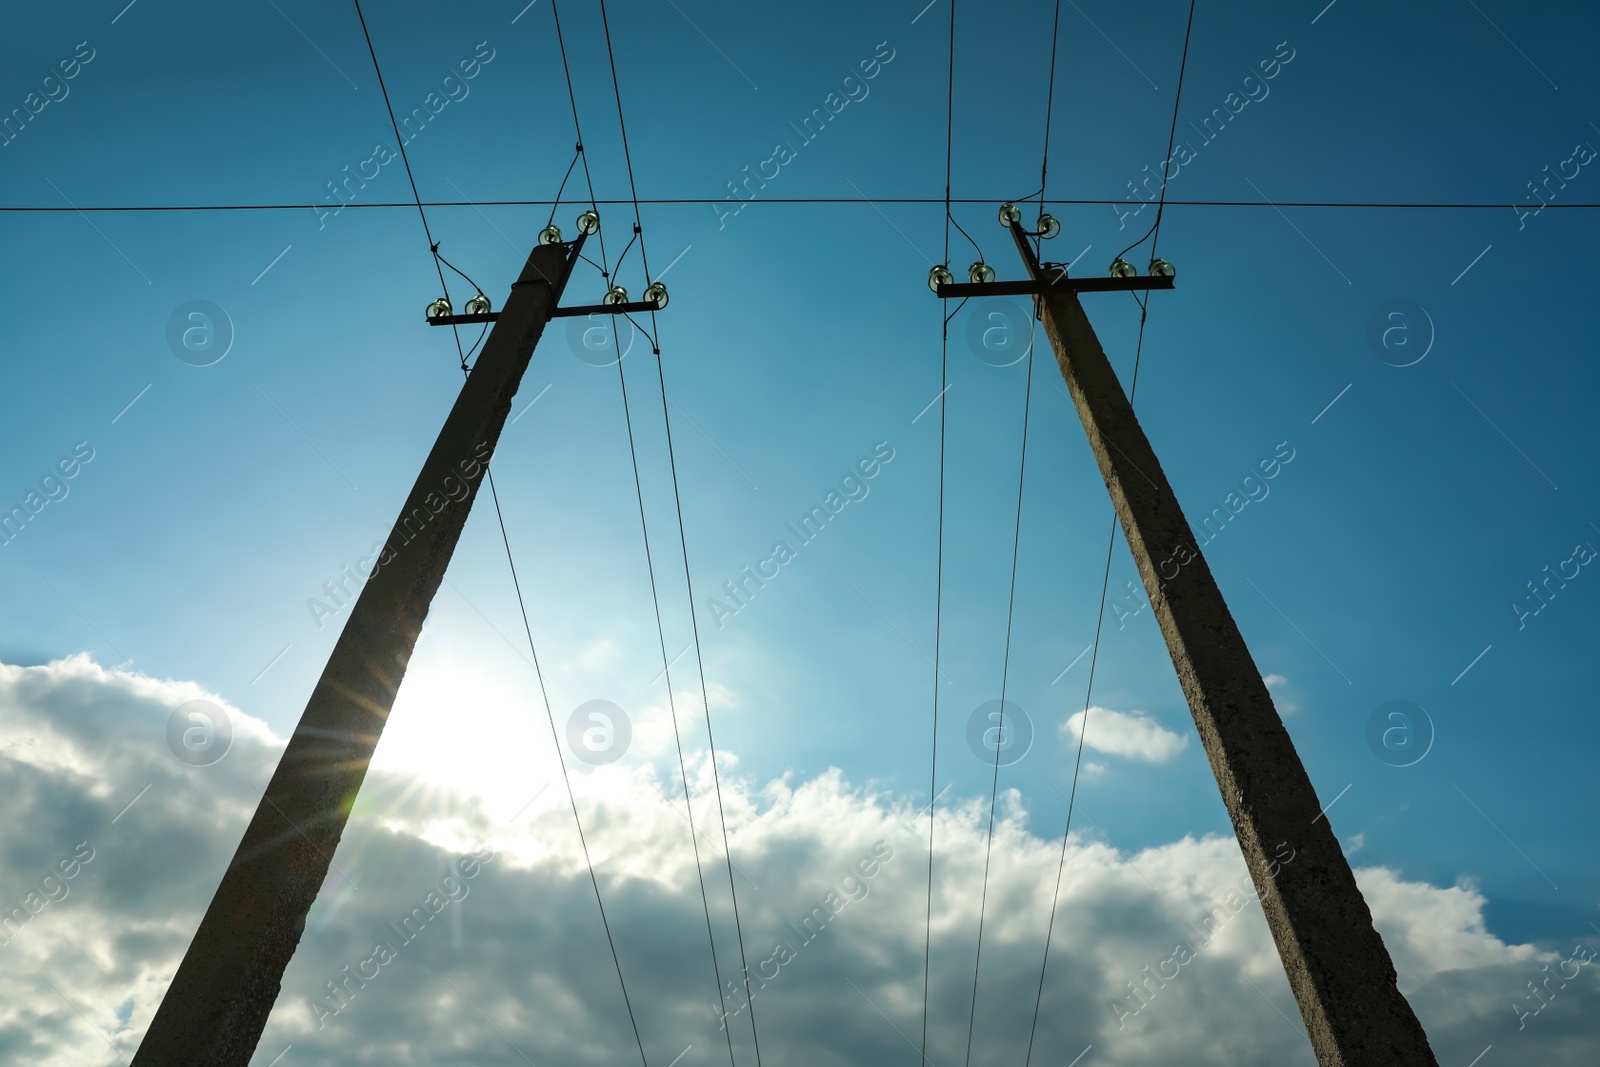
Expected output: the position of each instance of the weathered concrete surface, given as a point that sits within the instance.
(218, 1002)
(1337, 964)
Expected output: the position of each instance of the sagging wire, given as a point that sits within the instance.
(1105, 581)
(638, 231)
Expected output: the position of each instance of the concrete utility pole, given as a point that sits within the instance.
(218, 1002)
(1336, 962)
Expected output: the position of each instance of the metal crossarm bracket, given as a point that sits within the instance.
(573, 251)
(639, 306)
(1060, 282)
(1044, 277)
(463, 320)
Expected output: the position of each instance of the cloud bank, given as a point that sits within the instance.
(1119, 733)
(457, 931)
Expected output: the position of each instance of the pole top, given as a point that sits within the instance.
(1044, 277)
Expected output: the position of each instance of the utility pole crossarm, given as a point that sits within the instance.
(1054, 276)
(1337, 965)
(214, 1010)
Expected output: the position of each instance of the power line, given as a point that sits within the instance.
(404, 158)
(1005, 675)
(938, 631)
(627, 1001)
(1172, 132)
(1105, 580)
(938, 567)
(572, 799)
(1055, 895)
(433, 246)
(949, 139)
(1049, 104)
(46, 209)
(561, 43)
(644, 528)
(672, 703)
(705, 698)
(605, 273)
(505, 538)
(627, 155)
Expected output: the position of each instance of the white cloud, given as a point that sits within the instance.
(523, 945)
(1132, 734)
(1278, 681)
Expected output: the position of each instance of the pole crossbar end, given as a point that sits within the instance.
(1060, 283)
(463, 320)
(639, 306)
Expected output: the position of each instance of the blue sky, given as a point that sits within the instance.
(1382, 565)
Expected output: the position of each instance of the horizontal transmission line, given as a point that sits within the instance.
(412, 205)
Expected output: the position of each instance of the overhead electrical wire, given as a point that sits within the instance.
(1016, 540)
(938, 566)
(577, 129)
(1049, 105)
(505, 538)
(605, 273)
(700, 201)
(672, 703)
(1005, 675)
(949, 144)
(655, 598)
(576, 155)
(1105, 581)
(433, 246)
(938, 633)
(465, 356)
(1172, 135)
(994, 784)
(716, 776)
(605, 923)
(555, 738)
